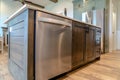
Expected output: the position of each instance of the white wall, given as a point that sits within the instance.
(110, 25)
(118, 26)
(113, 15)
(8, 7)
(59, 7)
(118, 40)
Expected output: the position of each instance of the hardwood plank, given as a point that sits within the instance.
(78, 40)
(105, 69)
(108, 68)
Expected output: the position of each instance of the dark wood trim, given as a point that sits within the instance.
(31, 45)
(55, 1)
(31, 3)
(104, 21)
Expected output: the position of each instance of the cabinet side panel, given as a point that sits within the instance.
(21, 32)
(17, 46)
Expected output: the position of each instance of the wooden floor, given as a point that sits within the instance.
(108, 68)
(4, 73)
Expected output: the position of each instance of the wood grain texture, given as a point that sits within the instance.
(21, 45)
(90, 44)
(16, 51)
(17, 33)
(83, 44)
(108, 68)
(30, 46)
(17, 40)
(78, 45)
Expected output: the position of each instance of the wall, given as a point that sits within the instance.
(114, 25)
(79, 8)
(110, 25)
(91, 5)
(0, 11)
(8, 7)
(59, 7)
(118, 25)
(106, 28)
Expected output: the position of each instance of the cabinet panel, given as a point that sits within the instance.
(17, 58)
(17, 33)
(84, 44)
(90, 44)
(78, 45)
(21, 45)
(17, 40)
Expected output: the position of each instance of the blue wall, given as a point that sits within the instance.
(90, 5)
(60, 6)
(7, 8)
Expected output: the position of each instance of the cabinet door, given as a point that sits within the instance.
(53, 46)
(78, 39)
(90, 42)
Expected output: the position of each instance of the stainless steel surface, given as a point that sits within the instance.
(54, 21)
(53, 46)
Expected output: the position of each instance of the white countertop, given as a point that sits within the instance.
(26, 6)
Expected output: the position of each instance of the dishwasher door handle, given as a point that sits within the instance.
(54, 21)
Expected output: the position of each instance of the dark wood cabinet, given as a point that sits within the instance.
(90, 42)
(78, 45)
(86, 42)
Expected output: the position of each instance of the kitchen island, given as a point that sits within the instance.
(43, 45)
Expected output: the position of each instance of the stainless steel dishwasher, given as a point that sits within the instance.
(53, 46)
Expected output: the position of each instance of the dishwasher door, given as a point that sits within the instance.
(53, 47)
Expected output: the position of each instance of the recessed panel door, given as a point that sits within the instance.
(90, 44)
(78, 45)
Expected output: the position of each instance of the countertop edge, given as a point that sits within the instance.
(26, 6)
(15, 14)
